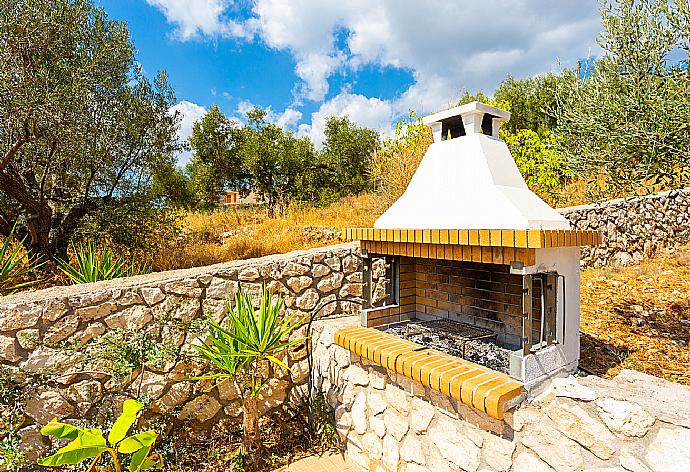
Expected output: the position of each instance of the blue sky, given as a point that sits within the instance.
(373, 60)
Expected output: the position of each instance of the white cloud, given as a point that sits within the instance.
(288, 119)
(190, 112)
(369, 112)
(447, 46)
(195, 18)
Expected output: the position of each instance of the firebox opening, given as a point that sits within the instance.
(477, 311)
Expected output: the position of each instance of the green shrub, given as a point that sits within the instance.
(15, 265)
(93, 265)
(90, 443)
(245, 352)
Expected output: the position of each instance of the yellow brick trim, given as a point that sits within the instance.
(476, 386)
(528, 239)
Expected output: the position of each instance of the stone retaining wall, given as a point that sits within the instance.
(52, 340)
(633, 228)
(386, 422)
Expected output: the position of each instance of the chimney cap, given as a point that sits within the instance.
(472, 108)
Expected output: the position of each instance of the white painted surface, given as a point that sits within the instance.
(467, 109)
(564, 356)
(470, 182)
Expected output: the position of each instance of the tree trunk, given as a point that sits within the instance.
(251, 439)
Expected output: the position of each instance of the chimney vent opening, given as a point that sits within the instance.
(452, 128)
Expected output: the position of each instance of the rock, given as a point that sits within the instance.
(188, 288)
(411, 450)
(152, 385)
(670, 402)
(28, 338)
(95, 312)
(300, 372)
(624, 418)
(376, 403)
(297, 284)
(308, 300)
(202, 409)
(45, 358)
(221, 289)
(293, 269)
(90, 298)
(350, 264)
(320, 270)
(498, 452)
(526, 462)
(129, 297)
(248, 274)
(396, 425)
(174, 397)
(552, 447)
(356, 375)
(372, 444)
(20, 316)
(669, 450)
(421, 415)
(330, 282)
(84, 394)
(8, 349)
(397, 398)
(351, 290)
(333, 262)
(454, 445)
(575, 423)
(524, 416)
(391, 453)
(32, 443)
(571, 388)
(91, 331)
(359, 413)
(62, 329)
(377, 379)
(45, 406)
(55, 309)
(132, 318)
(631, 462)
(152, 295)
(273, 395)
(377, 425)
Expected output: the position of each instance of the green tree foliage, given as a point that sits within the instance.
(529, 135)
(82, 131)
(278, 162)
(217, 164)
(346, 157)
(628, 124)
(90, 444)
(532, 102)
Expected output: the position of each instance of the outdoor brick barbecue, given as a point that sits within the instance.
(483, 299)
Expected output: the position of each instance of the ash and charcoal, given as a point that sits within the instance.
(480, 351)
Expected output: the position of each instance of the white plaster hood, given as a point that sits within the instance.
(469, 181)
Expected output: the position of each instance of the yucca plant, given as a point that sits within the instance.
(15, 265)
(243, 351)
(94, 265)
(88, 443)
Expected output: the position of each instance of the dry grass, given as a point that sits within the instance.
(241, 233)
(638, 318)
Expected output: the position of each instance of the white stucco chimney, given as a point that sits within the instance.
(468, 180)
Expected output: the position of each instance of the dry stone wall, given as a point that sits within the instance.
(389, 423)
(633, 228)
(73, 350)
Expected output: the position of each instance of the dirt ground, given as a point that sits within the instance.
(638, 318)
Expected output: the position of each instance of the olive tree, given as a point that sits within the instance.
(628, 124)
(82, 130)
